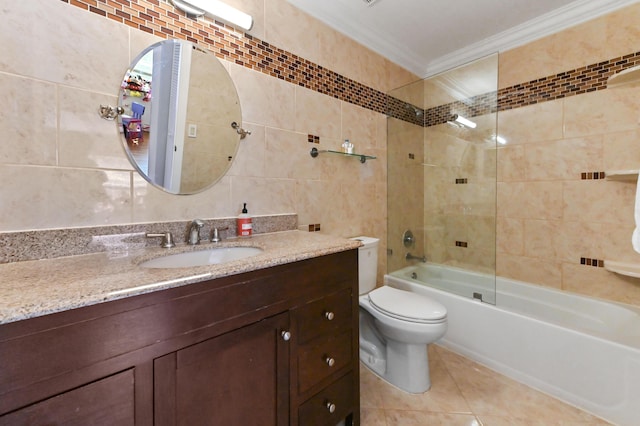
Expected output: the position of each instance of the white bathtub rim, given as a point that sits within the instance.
(618, 413)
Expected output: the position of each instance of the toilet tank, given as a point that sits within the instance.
(367, 263)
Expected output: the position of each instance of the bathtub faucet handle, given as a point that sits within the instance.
(422, 259)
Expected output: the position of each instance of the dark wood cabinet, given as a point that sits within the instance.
(270, 347)
(242, 374)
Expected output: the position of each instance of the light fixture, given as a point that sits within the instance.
(464, 121)
(217, 9)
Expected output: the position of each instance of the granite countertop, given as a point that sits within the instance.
(34, 288)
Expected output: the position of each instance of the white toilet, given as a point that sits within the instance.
(395, 326)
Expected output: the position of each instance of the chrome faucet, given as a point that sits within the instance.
(422, 259)
(167, 239)
(194, 231)
(215, 238)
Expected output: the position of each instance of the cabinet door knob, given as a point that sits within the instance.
(329, 315)
(330, 361)
(331, 407)
(286, 335)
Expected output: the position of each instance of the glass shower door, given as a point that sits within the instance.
(442, 180)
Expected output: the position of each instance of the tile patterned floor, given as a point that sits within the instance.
(464, 393)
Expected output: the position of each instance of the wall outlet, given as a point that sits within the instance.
(193, 131)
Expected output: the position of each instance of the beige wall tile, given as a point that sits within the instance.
(531, 270)
(598, 201)
(85, 141)
(605, 111)
(511, 163)
(534, 123)
(564, 159)
(509, 236)
(600, 283)
(317, 114)
(264, 100)
(291, 29)
(51, 197)
(287, 156)
(621, 151)
(250, 157)
(46, 52)
(28, 121)
(264, 196)
(530, 200)
(154, 205)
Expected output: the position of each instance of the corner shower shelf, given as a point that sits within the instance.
(363, 158)
(622, 268)
(621, 175)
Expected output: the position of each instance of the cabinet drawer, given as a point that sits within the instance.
(337, 397)
(321, 358)
(328, 315)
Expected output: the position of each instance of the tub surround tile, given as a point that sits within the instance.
(600, 283)
(540, 271)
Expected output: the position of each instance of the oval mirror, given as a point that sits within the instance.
(179, 104)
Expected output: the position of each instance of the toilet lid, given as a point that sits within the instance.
(406, 305)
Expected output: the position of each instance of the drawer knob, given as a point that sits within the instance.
(329, 315)
(330, 361)
(286, 335)
(331, 407)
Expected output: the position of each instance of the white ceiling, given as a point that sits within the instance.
(430, 36)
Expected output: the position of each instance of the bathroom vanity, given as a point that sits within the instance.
(276, 345)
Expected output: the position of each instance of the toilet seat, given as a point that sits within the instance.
(407, 306)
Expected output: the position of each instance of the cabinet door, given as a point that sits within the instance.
(107, 401)
(241, 377)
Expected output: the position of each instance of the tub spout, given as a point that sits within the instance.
(422, 259)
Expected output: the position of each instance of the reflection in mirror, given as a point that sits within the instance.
(179, 103)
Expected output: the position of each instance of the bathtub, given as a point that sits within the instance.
(583, 351)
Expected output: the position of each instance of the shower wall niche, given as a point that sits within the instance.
(442, 175)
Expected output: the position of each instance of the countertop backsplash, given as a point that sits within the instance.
(52, 243)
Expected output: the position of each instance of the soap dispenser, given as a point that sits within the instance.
(244, 225)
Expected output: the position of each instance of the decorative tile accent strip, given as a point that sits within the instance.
(569, 83)
(592, 175)
(313, 139)
(598, 263)
(461, 244)
(52, 243)
(160, 18)
(412, 156)
(460, 181)
(314, 227)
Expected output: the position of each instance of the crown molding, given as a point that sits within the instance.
(565, 17)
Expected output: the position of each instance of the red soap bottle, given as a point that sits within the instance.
(243, 224)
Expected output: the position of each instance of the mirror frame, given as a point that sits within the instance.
(225, 112)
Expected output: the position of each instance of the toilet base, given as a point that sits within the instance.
(408, 367)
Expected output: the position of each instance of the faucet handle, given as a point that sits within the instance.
(167, 239)
(215, 238)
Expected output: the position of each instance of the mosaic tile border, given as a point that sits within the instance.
(568, 83)
(160, 18)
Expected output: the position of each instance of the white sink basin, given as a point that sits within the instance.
(211, 256)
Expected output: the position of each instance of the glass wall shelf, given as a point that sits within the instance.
(363, 158)
(621, 175)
